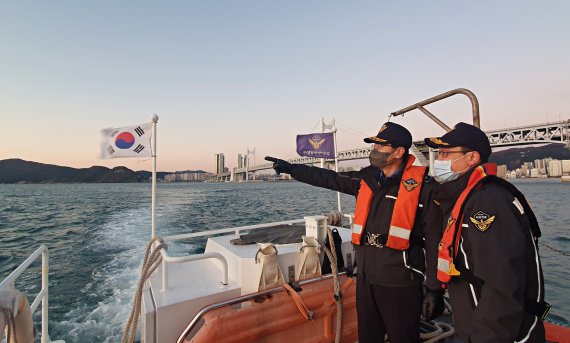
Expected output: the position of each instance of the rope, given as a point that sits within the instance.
(331, 254)
(334, 218)
(298, 301)
(151, 261)
(554, 249)
(443, 330)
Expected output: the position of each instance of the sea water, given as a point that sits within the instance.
(96, 235)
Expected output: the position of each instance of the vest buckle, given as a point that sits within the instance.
(374, 240)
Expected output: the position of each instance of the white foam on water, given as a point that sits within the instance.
(124, 237)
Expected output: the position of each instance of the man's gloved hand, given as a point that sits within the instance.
(280, 166)
(432, 306)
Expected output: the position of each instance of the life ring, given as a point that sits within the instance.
(16, 316)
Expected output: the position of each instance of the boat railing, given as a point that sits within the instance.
(43, 296)
(166, 259)
(236, 230)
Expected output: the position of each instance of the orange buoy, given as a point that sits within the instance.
(279, 318)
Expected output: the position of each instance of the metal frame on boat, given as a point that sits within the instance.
(43, 296)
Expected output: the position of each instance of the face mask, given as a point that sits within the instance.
(442, 170)
(379, 159)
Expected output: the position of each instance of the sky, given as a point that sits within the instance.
(227, 75)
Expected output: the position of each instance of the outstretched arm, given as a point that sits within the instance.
(317, 176)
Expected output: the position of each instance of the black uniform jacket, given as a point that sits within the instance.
(498, 248)
(386, 266)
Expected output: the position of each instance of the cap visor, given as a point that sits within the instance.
(436, 142)
(374, 140)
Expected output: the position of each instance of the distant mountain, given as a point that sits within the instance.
(20, 171)
(514, 158)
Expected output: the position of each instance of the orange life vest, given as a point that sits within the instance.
(450, 240)
(404, 213)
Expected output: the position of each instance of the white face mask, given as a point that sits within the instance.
(442, 170)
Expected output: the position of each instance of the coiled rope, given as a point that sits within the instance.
(151, 261)
(443, 330)
(331, 254)
(334, 218)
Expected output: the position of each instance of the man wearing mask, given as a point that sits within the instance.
(488, 255)
(393, 226)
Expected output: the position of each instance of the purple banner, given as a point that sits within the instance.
(318, 145)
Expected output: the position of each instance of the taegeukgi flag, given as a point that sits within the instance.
(318, 145)
(128, 141)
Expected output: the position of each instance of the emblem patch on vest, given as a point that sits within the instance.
(482, 220)
(410, 184)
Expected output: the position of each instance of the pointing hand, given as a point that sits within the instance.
(280, 166)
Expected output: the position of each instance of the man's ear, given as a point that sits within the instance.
(474, 159)
(400, 152)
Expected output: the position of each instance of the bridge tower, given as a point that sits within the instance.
(249, 152)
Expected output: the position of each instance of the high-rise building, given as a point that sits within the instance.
(220, 163)
(240, 161)
(525, 170)
(565, 166)
(502, 171)
(554, 168)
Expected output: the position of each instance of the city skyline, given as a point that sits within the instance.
(227, 76)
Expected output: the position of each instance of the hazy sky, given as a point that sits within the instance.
(225, 75)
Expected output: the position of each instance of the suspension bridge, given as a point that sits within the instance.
(351, 146)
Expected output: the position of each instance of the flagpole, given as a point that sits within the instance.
(322, 131)
(153, 210)
(336, 162)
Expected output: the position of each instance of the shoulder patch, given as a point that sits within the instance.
(482, 220)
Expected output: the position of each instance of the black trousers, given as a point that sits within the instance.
(388, 310)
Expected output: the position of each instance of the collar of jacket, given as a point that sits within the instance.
(384, 180)
(447, 193)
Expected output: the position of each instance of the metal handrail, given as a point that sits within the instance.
(420, 106)
(178, 259)
(9, 283)
(237, 230)
(169, 259)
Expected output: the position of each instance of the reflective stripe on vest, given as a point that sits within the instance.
(405, 208)
(450, 240)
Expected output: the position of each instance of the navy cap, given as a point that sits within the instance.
(394, 134)
(465, 135)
